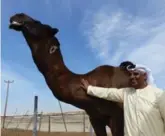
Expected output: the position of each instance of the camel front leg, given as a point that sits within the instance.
(99, 126)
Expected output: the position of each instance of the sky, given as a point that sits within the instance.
(91, 33)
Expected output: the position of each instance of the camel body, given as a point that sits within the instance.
(64, 84)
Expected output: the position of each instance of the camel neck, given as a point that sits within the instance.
(47, 56)
(49, 61)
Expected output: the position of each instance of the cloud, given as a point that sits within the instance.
(115, 36)
(22, 91)
(152, 53)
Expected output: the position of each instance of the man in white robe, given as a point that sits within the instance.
(144, 104)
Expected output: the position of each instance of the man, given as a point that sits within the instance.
(144, 104)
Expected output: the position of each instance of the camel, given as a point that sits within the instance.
(64, 84)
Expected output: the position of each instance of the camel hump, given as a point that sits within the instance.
(108, 76)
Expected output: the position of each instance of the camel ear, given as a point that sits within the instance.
(55, 31)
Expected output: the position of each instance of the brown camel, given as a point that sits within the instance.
(64, 84)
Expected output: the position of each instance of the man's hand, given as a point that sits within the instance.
(84, 84)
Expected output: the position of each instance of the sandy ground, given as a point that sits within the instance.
(5, 132)
(54, 123)
(76, 124)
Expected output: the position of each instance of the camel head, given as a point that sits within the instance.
(26, 24)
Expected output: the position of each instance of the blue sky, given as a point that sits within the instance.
(91, 33)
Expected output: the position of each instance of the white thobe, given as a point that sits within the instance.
(144, 109)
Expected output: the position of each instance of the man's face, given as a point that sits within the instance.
(138, 78)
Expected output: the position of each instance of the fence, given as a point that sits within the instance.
(75, 122)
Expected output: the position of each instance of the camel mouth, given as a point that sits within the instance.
(15, 25)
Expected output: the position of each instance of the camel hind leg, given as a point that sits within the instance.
(117, 126)
(99, 126)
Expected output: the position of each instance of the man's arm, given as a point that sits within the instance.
(112, 94)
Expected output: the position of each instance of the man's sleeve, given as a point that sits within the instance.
(112, 94)
(161, 103)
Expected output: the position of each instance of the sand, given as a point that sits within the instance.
(7, 132)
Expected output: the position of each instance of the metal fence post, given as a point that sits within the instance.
(40, 121)
(49, 125)
(35, 115)
(84, 121)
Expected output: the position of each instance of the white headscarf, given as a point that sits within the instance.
(150, 79)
